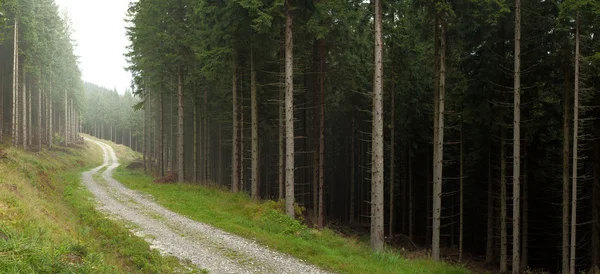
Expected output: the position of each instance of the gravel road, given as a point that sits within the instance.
(203, 245)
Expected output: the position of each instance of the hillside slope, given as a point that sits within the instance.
(48, 223)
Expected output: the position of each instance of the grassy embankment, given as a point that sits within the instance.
(265, 222)
(48, 223)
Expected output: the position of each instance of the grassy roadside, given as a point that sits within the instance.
(265, 223)
(48, 223)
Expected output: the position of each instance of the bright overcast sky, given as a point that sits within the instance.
(99, 34)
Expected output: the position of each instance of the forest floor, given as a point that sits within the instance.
(261, 224)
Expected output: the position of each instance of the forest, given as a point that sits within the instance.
(468, 127)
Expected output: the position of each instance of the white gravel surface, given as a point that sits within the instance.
(205, 246)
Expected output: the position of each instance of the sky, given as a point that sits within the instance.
(99, 34)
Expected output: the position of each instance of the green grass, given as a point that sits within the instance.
(48, 223)
(266, 223)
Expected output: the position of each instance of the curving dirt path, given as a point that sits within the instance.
(205, 246)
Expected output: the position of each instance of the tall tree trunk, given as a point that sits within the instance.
(24, 109)
(66, 132)
(392, 156)
(503, 232)
(29, 116)
(289, 113)
(235, 179)
(525, 226)
(145, 135)
(281, 114)
(161, 132)
(15, 82)
(1, 105)
(377, 168)
(321, 130)
(565, 176)
(50, 115)
(439, 162)
(254, 118)
(516, 259)
(411, 221)
(206, 131)
(352, 169)
(436, 113)
(575, 151)
(595, 206)
(195, 150)
(489, 250)
(461, 190)
(180, 163)
(39, 116)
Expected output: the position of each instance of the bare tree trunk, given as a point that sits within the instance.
(352, 169)
(180, 163)
(595, 204)
(235, 179)
(411, 222)
(39, 116)
(206, 139)
(565, 178)
(489, 250)
(289, 113)
(254, 118)
(516, 260)
(15, 91)
(66, 130)
(322, 130)
(145, 137)
(50, 120)
(161, 132)
(525, 226)
(377, 168)
(195, 151)
(503, 232)
(29, 116)
(281, 113)
(1, 105)
(575, 152)
(392, 156)
(437, 183)
(462, 199)
(24, 109)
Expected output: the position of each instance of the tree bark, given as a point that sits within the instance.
(24, 109)
(161, 132)
(15, 91)
(206, 139)
(575, 152)
(377, 168)
(321, 130)
(195, 150)
(503, 232)
(392, 156)
(66, 133)
(525, 221)
(289, 113)
(439, 162)
(39, 116)
(180, 163)
(516, 259)
(254, 118)
(352, 169)
(565, 177)
(235, 179)
(595, 206)
(29, 116)
(461, 190)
